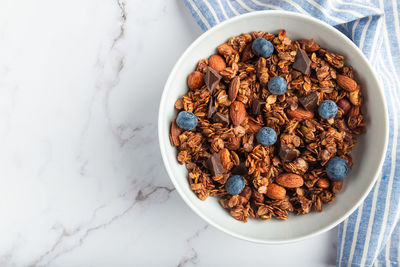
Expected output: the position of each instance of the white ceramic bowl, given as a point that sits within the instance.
(368, 155)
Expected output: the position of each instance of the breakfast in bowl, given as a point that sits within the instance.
(267, 125)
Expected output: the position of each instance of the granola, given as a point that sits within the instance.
(228, 93)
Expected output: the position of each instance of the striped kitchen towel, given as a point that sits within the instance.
(371, 235)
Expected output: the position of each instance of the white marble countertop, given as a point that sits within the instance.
(82, 181)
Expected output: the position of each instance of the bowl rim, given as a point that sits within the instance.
(161, 135)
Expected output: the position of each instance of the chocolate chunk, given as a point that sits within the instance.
(214, 165)
(257, 106)
(286, 153)
(240, 170)
(211, 108)
(302, 62)
(222, 118)
(310, 101)
(212, 79)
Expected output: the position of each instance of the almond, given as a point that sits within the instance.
(290, 180)
(346, 83)
(225, 158)
(355, 97)
(344, 105)
(195, 80)
(275, 191)
(216, 62)
(234, 88)
(337, 186)
(247, 53)
(237, 112)
(253, 127)
(300, 114)
(323, 183)
(233, 143)
(175, 132)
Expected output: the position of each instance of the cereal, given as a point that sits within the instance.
(229, 94)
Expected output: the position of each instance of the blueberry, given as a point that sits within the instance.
(186, 120)
(262, 47)
(266, 136)
(235, 185)
(277, 85)
(337, 168)
(327, 109)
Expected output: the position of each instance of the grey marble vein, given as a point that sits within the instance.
(85, 233)
(121, 5)
(191, 256)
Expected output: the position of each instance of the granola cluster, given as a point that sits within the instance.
(229, 96)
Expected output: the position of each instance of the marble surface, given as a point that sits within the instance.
(82, 181)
